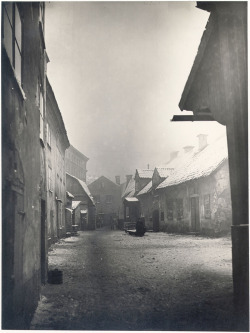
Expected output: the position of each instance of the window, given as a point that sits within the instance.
(40, 102)
(41, 14)
(12, 37)
(109, 199)
(170, 207)
(50, 179)
(207, 210)
(97, 198)
(179, 208)
(162, 216)
(48, 135)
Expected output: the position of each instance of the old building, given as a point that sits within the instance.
(217, 89)
(69, 213)
(81, 193)
(57, 143)
(107, 196)
(142, 177)
(24, 253)
(195, 197)
(76, 163)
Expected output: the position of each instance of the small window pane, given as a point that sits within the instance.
(8, 9)
(18, 65)
(8, 37)
(18, 29)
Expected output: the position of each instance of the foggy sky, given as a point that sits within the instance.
(118, 70)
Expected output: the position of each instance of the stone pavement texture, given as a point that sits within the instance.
(114, 281)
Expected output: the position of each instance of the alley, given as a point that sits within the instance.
(113, 281)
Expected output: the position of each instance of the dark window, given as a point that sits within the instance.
(97, 198)
(179, 208)
(12, 37)
(207, 210)
(170, 207)
(162, 216)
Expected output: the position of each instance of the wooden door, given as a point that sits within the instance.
(195, 214)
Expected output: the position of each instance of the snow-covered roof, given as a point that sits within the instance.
(84, 187)
(164, 171)
(75, 204)
(133, 199)
(145, 173)
(129, 189)
(69, 194)
(197, 164)
(84, 211)
(146, 189)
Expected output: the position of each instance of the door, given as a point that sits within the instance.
(43, 242)
(156, 222)
(195, 214)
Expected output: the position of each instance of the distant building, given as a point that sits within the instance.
(24, 246)
(107, 196)
(82, 195)
(57, 143)
(76, 163)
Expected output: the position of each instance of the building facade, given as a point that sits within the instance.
(24, 257)
(76, 163)
(56, 144)
(107, 197)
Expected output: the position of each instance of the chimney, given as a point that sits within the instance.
(202, 141)
(188, 148)
(173, 155)
(118, 180)
(128, 177)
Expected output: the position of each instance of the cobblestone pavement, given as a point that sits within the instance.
(114, 281)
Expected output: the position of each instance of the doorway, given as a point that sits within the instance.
(195, 214)
(43, 242)
(156, 222)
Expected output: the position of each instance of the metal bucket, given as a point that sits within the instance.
(55, 276)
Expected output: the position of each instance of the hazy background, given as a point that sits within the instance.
(118, 70)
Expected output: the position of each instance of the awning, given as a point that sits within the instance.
(70, 210)
(133, 199)
(84, 211)
(69, 194)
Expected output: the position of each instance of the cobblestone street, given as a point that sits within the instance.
(114, 281)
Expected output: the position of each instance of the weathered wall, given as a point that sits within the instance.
(215, 212)
(76, 163)
(56, 177)
(21, 179)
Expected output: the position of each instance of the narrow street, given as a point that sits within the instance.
(114, 281)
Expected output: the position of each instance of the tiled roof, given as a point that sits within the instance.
(75, 204)
(145, 173)
(146, 189)
(194, 165)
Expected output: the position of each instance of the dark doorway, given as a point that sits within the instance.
(156, 222)
(195, 214)
(43, 242)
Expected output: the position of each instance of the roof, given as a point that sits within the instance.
(130, 189)
(146, 189)
(75, 204)
(164, 172)
(77, 152)
(145, 173)
(133, 199)
(84, 211)
(70, 210)
(84, 187)
(69, 194)
(198, 164)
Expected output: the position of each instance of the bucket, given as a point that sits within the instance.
(55, 276)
